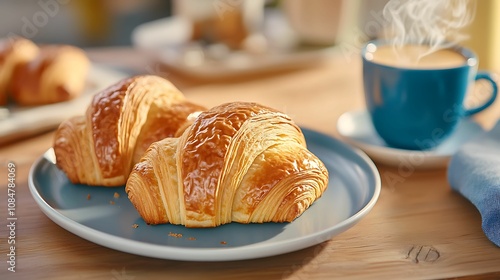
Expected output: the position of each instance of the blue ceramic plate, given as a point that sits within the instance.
(356, 129)
(105, 215)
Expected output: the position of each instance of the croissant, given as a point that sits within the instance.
(58, 73)
(13, 51)
(121, 122)
(237, 162)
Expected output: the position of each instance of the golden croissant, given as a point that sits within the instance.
(237, 162)
(58, 73)
(32, 75)
(13, 52)
(101, 147)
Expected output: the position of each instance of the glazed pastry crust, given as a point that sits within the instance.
(238, 162)
(101, 147)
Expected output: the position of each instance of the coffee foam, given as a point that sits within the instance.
(408, 56)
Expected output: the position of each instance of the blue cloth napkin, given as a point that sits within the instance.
(474, 171)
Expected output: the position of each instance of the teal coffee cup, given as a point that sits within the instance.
(415, 96)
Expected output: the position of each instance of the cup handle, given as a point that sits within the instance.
(484, 76)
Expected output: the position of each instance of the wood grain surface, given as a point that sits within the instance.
(419, 229)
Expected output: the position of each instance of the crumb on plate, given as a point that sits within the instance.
(176, 235)
(135, 225)
(116, 195)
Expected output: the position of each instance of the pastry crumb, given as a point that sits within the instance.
(88, 196)
(135, 225)
(191, 238)
(176, 235)
(116, 195)
(111, 202)
(223, 242)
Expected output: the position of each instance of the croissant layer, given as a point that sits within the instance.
(237, 162)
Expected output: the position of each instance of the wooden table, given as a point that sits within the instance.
(419, 228)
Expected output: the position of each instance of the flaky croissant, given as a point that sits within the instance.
(101, 147)
(238, 162)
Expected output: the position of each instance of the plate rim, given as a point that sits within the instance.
(251, 251)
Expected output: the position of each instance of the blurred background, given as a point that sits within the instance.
(345, 23)
(85, 23)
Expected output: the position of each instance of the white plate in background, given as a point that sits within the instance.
(168, 39)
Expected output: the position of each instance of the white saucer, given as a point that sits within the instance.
(356, 129)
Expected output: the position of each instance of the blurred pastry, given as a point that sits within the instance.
(58, 73)
(13, 52)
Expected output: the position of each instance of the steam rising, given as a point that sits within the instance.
(435, 23)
